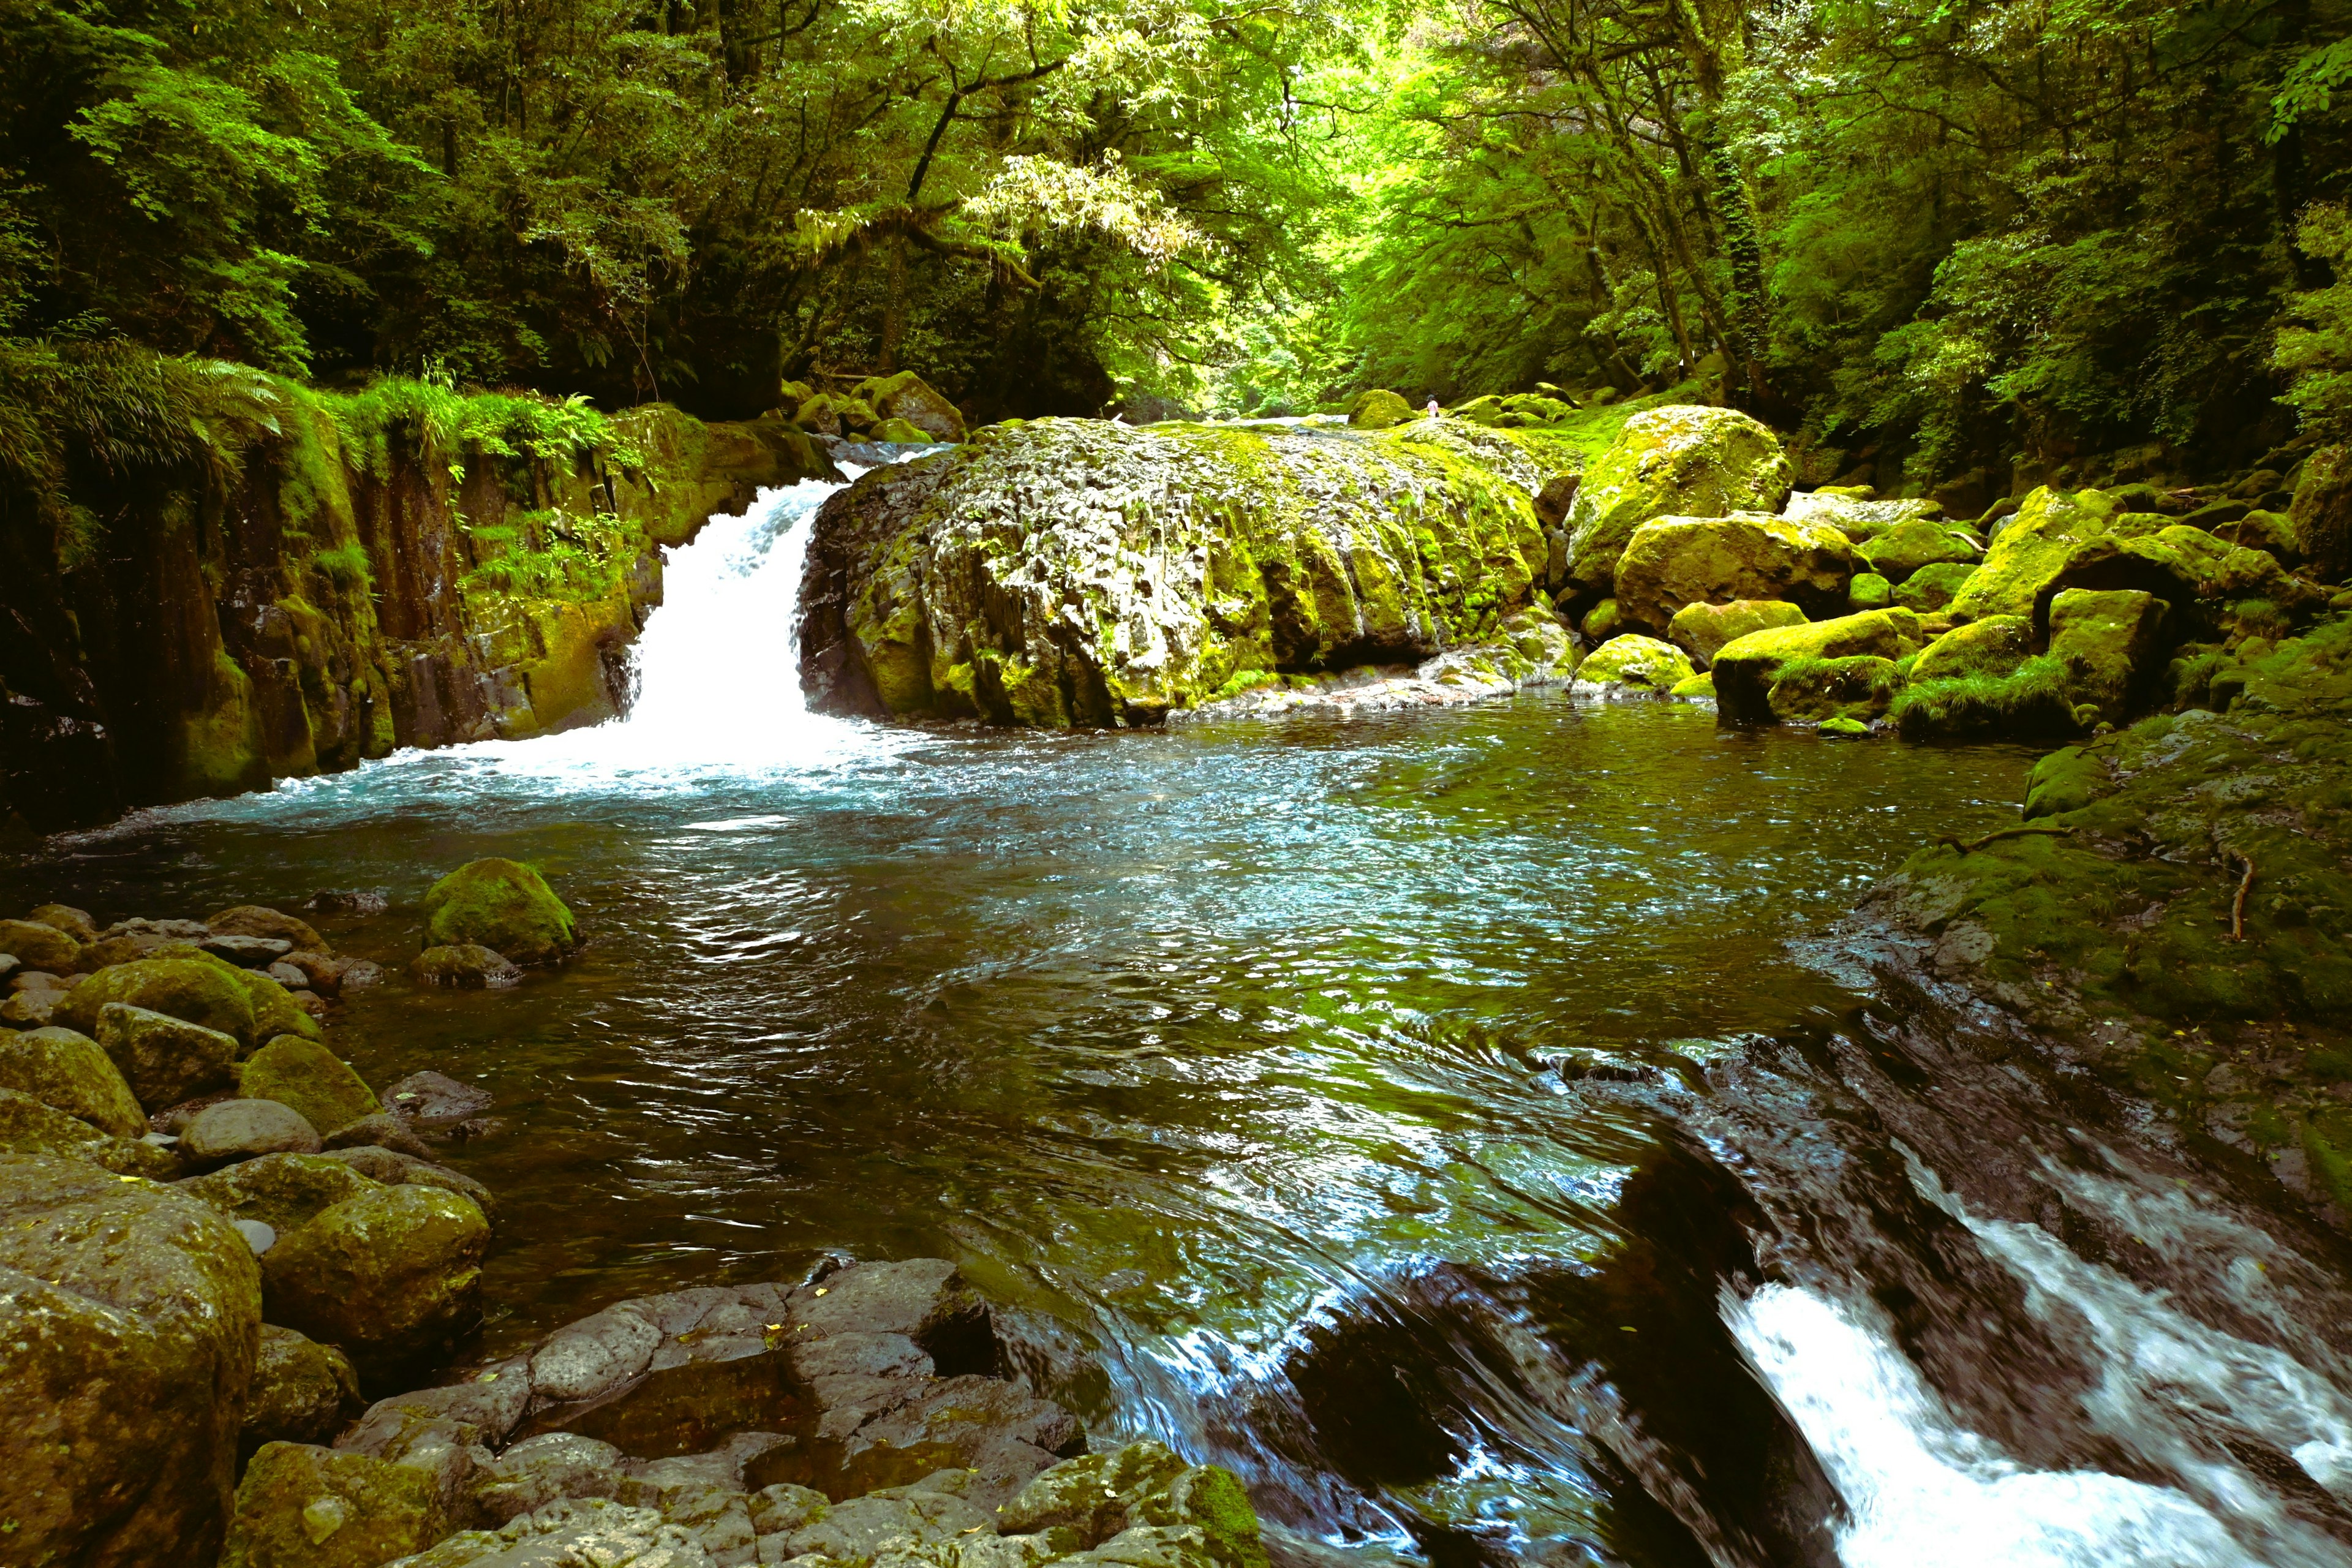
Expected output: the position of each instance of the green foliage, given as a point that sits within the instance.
(447, 426)
(2316, 346)
(345, 565)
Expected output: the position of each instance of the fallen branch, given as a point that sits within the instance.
(2238, 904)
(2028, 830)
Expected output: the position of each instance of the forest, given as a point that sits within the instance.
(1929, 236)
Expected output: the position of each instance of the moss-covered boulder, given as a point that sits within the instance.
(1746, 671)
(1633, 666)
(1677, 561)
(1869, 590)
(257, 919)
(1852, 511)
(275, 1011)
(2111, 644)
(164, 1059)
(134, 1315)
(28, 1127)
(899, 432)
(1142, 1488)
(392, 1276)
(2214, 587)
(306, 1507)
(1602, 622)
(302, 1391)
(1992, 647)
(200, 990)
(1378, 410)
(503, 905)
(38, 946)
(1919, 542)
(312, 1079)
(1679, 461)
(1697, 689)
(284, 1192)
(2029, 551)
(1853, 690)
(72, 1073)
(1700, 630)
(233, 1129)
(2322, 514)
(1067, 573)
(2034, 701)
(1932, 588)
(76, 923)
(905, 397)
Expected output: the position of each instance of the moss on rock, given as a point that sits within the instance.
(1746, 669)
(164, 1059)
(284, 1192)
(200, 990)
(1682, 461)
(38, 946)
(72, 1073)
(392, 1276)
(1378, 410)
(502, 905)
(1670, 562)
(302, 1391)
(310, 1078)
(305, 1507)
(2031, 548)
(1702, 630)
(1633, 666)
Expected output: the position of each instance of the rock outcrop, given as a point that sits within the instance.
(399, 567)
(1679, 461)
(1672, 561)
(1068, 573)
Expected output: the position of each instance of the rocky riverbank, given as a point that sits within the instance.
(231, 1264)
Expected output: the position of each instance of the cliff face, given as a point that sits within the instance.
(347, 578)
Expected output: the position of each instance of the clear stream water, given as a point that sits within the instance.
(1320, 1096)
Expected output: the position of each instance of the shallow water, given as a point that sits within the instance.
(1243, 1059)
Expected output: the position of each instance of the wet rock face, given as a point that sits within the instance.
(134, 1313)
(1081, 573)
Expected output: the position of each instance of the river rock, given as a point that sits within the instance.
(1931, 588)
(2204, 579)
(394, 1167)
(2110, 644)
(1681, 461)
(318, 971)
(360, 976)
(905, 397)
(1633, 666)
(1142, 1487)
(1378, 410)
(1992, 647)
(28, 1127)
(502, 905)
(1857, 516)
(32, 1008)
(275, 1010)
(432, 1100)
(306, 1507)
(2029, 551)
(194, 989)
(312, 1079)
(76, 923)
(1060, 572)
(247, 951)
(540, 1470)
(302, 1391)
(349, 901)
(134, 1313)
(164, 1059)
(392, 1276)
(464, 966)
(1672, 561)
(236, 1130)
(1746, 670)
(254, 920)
(72, 1073)
(1869, 590)
(2322, 513)
(589, 1532)
(1920, 541)
(382, 1130)
(39, 946)
(296, 980)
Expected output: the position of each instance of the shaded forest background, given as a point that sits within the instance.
(1936, 237)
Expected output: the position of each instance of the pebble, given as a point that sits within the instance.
(257, 1236)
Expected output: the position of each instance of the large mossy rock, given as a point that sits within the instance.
(2111, 644)
(284, 1192)
(2212, 585)
(1745, 671)
(1676, 561)
(312, 1079)
(1700, 630)
(1680, 461)
(29, 1127)
(1932, 588)
(133, 1314)
(1380, 410)
(164, 1059)
(1990, 648)
(200, 990)
(306, 1507)
(1099, 1498)
(38, 946)
(907, 398)
(1633, 666)
(502, 905)
(1920, 541)
(2031, 548)
(392, 1277)
(72, 1073)
(1066, 571)
(302, 1391)
(2322, 514)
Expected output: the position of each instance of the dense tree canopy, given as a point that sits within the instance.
(1933, 234)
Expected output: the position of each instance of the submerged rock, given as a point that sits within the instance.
(433, 1099)
(502, 905)
(1682, 461)
(1065, 572)
(134, 1313)
(467, 966)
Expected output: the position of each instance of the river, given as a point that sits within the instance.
(1326, 1096)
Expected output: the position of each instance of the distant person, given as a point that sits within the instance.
(1431, 410)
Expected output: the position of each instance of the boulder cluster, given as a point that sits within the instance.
(488, 921)
(1693, 570)
(889, 408)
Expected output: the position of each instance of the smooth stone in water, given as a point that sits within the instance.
(360, 976)
(466, 967)
(247, 951)
(436, 1099)
(246, 1129)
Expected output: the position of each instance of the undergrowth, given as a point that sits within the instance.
(2030, 701)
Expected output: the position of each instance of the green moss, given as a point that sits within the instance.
(502, 905)
(2031, 702)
